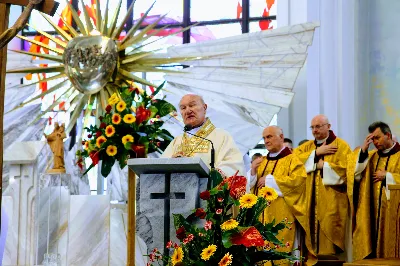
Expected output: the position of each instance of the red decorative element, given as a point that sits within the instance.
(237, 186)
(61, 106)
(80, 163)
(152, 90)
(264, 24)
(205, 195)
(103, 125)
(270, 3)
(94, 155)
(181, 233)
(238, 10)
(50, 120)
(108, 109)
(249, 237)
(142, 114)
(139, 150)
(200, 213)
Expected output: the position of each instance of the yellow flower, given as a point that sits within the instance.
(230, 224)
(268, 193)
(127, 138)
(177, 256)
(86, 145)
(113, 99)
(100, 140)
(129, 118)
(121, 106)
(111, 150)
(208, 252)
(110, 131)
(226, 260)
(116, 119)
(248, 200)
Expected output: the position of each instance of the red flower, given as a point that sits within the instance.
(83, 142)
(103, 125)
(181, 233)
(139, 150)
(98, 134)
(237, 186)
(108, 108)
(220, 199)
(80, 163)
(94, 155)
(205, 195)
(89, 136)
(169, 244)
(208, 225)
(249, 237)
(142, 114)
(200, 213)
(219, 211)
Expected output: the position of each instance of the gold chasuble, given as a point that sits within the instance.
(228, 158)
(369, 200)
(327, 195)
(289, 175)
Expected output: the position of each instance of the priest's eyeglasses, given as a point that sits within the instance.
(317, 126)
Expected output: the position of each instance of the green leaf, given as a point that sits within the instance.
(128, 145)
(158, 89)
(226, 238)
(106, 165)
(179, 220)
(153, 110)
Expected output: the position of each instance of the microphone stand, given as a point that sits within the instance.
(212, 164)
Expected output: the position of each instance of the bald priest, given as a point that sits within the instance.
(228, 158)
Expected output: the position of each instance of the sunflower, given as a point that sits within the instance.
(129, 118)
(100, 140)
(110, 131)
(127, 138)
(116, 119)
(208, 252)
(248, 200)
(177, 256)
(229, 225)
(121, 106)
(111, 150)
(113, 99)
(226, 260)
(268, 193)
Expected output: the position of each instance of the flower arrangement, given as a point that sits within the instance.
(130, 128)
(223, 240)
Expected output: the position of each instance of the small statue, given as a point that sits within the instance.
(55, 141)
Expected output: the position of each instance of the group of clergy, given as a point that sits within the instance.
(321, 184)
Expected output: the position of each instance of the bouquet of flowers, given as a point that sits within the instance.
(130, 128)
(223, 240)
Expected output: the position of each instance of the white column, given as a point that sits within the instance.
(332, 67)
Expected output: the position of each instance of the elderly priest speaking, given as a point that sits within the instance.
(228, 158)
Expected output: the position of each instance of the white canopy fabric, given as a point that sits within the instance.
(245, 79)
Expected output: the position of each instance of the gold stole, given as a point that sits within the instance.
(192, 145)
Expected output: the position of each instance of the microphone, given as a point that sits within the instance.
(187, 128)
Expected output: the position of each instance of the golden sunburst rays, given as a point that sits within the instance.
(132, 57)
